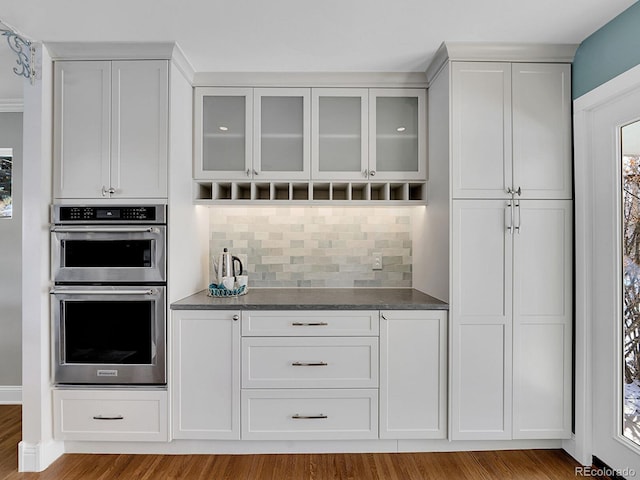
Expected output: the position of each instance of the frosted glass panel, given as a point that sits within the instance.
(397, 134)
(223, 138)
(281, 139)
(340, 134)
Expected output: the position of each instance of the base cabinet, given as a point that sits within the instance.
(206, 374)
(413, 358)
(310, 414)
(110, 415)
(309, 374)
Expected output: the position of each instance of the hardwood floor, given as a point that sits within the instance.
(514, 465)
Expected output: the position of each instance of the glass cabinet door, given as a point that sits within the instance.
(222, 124)
(281, 133)
(397, 134)
(339, 134)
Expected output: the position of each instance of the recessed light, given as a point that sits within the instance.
(223, 128)
(401, 129)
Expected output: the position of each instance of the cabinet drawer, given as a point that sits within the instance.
(344, 362)
(310, 323)
(114, 415)
(309, 414)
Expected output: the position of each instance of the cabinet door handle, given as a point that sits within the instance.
(517, 225)
(309, 324)
(109, 191)
(312, 364)
(297, 416)
(103, 417)
(508, 213)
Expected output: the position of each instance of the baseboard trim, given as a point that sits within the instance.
(10, 395)
(37, 457)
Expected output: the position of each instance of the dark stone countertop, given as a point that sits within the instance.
(316, 299)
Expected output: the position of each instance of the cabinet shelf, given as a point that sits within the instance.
(207, 192)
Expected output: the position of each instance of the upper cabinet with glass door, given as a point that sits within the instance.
(223, 119)
(397, 134)
(340, 150)
(281, 133)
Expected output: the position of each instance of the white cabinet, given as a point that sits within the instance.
(339, 137)
(511, 310)
(110, 415)
(206, 374)
(310, 375)
(413, 381)
(397, 134)
(281, 133)
(511, 129)
(309, 144)
(296, 414)
(111, 129)
(223, 124)
(247, 133)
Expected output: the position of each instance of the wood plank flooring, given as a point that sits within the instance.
(498, 465)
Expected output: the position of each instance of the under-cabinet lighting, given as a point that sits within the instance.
(401, 129)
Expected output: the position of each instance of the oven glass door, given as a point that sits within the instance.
(83, 254)
(109, 335)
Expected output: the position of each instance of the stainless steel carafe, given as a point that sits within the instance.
(224, 265)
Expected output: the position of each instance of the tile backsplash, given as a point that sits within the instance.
(303, 246)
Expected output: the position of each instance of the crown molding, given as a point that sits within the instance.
(311, 79)
(499, 52)
(110, 50)
(11, 105)
(180, 60)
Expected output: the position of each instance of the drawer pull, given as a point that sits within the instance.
(115, 417)
(306, 364)
(309, 324)
(297, 416)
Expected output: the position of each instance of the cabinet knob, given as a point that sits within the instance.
(365, 173)
(248, 172)
(372, 173)
(235, 318)
(109, 191)
(255, 172)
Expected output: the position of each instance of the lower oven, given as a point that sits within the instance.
(111, 335)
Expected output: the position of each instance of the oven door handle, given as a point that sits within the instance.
(149, 291)
(105, 230)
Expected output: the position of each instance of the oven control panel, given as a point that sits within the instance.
(107, 214)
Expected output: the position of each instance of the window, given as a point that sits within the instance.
(6, 170)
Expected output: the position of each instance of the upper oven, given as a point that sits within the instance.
(105, 244)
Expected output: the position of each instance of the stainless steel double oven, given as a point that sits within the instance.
(109, 294)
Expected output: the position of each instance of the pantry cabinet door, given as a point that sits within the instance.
(481, 130)
(206, 374)
(543, 304)
(82, 123)
(139, 132)
(481, 316)
(542, 154)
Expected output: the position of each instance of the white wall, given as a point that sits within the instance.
(11, 268)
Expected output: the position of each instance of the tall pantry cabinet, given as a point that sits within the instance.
(506, 157)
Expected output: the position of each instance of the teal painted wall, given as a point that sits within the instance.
(608, 52)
